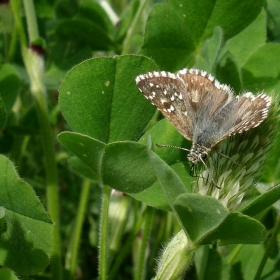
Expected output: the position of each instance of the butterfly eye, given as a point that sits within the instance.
(204, 156)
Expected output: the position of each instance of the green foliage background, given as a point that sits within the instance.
(75, 126)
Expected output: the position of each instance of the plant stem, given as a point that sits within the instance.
(12, 47)
(34, 64)
(72, 254)
(110, 12)
(16, 4)
(103, 235)
(141, 260)
(234, 253)
(51, 182)
(127, 247)
(127, 43)
(30, 13)
(269, 246)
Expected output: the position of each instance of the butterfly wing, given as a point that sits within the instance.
(242, 113)
(167, 93)
(187, 99)
(204, 94)
(203, 110)
(249, 112)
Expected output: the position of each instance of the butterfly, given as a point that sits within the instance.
(202, 109)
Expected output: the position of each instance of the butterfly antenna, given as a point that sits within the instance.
(170, 146)
(196, 176)
(214, 182)
(230, 159)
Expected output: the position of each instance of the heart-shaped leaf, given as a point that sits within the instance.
(206, 220)
(99, 98)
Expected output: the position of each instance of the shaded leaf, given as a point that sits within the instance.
(26, 245)
(260, 203)
(87, 149)
(84, 33)
(206, 220)
(201, 17)
(126, 167)
(266, 77)
(3, 115)
(7, 274)
(9, 85)
(200, 214)
(82, 169)
(207, 56)
(167, 39)
(255, 33)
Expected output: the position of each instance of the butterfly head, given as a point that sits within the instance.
(198, 153)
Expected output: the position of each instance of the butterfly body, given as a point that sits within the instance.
(197, 153)
(202, 110)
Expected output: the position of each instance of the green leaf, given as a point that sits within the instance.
(127, 16)
(228, 72)
(255, 33)
(209, 262)
(164, 133)
(238, 229)
(118, 173)
(155, 196)
(175, 33)
(84, 33)
(9, 85)
(176, 158)
(66, 8)
(7, 274)
(3, 225)
(246, 263)
(200, 214)
(273, 20)
(119, 163)
(92, 11)
(6, 142)
(206, 220)
(116, 164)
(74, 55)
(87, 149)
(260, 203)
(78, 166)
(99, 98)
(167, 38)
(170, 182)
(3, 115)
(207, 56)
(266, 77)
(126, 167)
(27, 244)
(201, 17)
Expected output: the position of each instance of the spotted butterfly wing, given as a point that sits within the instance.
(166, 92)
(179, 97)
(242, 113)
(203, 110)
